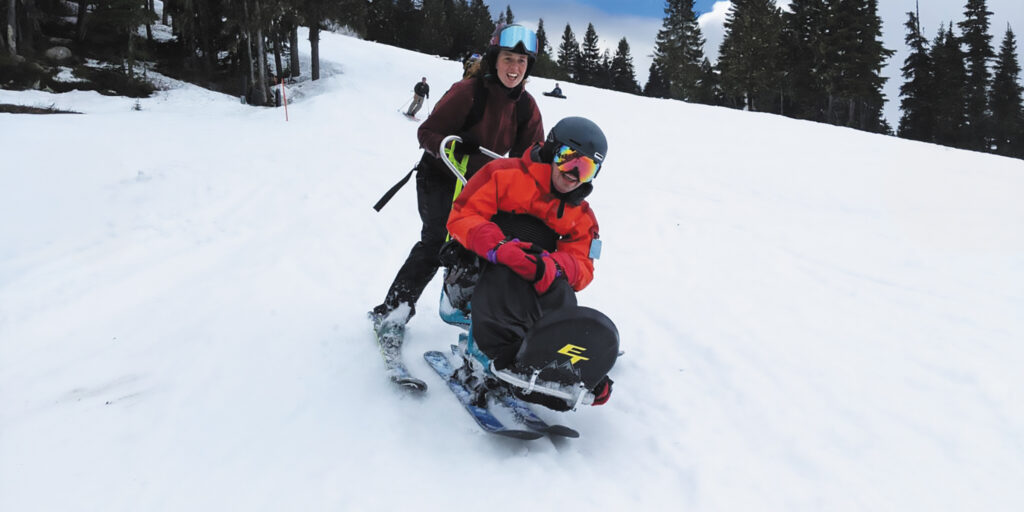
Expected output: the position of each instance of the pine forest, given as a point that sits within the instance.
(818, 60)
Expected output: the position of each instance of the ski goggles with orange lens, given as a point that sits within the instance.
(514, 35)
(569, 160)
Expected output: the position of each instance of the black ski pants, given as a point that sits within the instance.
(434, 196)
(505, 307)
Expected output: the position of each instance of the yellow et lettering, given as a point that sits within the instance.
(574, 353)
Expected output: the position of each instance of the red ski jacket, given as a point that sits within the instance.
(522, 186)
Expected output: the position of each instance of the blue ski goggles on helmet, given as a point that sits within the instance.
(514, 35)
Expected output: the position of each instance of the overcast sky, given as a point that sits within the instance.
(639, 21)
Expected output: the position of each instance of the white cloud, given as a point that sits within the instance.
(712, 26)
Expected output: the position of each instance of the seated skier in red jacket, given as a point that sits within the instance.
(529, 219)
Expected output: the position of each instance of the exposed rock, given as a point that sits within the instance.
(58, 53)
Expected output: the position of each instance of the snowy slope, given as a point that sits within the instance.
(814, 318)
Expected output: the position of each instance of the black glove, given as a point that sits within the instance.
(469, 145)
(603, 391)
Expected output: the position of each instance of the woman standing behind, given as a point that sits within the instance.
(491, 109)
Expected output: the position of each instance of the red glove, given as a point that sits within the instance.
(513, 255)
(548, 270)
(603, 391)
(568, 265)
(484, 237)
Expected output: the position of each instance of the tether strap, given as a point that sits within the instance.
(393, 190)
(476, 113)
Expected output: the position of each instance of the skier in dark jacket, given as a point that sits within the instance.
(419, 92)
(491, 110)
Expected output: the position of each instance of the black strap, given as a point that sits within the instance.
(476, 113)
(392, 191)
(522, 114)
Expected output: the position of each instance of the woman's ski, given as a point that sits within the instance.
(389, 339)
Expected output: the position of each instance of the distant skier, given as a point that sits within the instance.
(556, 92)
(529, 219)
(420, 91)
(492, 110)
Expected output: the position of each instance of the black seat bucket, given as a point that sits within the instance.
(568, 346)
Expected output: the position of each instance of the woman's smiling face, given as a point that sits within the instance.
(511, 68)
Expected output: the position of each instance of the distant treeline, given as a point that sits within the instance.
(821, 60)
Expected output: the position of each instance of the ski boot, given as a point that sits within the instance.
(475, 370)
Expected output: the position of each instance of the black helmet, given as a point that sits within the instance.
(580, 134)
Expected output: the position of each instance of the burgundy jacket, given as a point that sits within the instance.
(495, 131)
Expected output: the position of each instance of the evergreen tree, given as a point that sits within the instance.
(679, 50)
(604, 72)
(623, 77)
(406, 21)
(854, 60)
(461, 26)
(509, 18)
(1007, 110)
(839, 47)
(569, 53)
(803, 45)
(749, 58)
(975, 36)
(656, 86)
(542, 40)
(10, 26)
(123, 17)
(483, 26)
(870, 60)
(197, 27)
(588, 66)
(918, 89)
(379, 16)
(950, 87)
(435, 34)
(545, 65)
(708, 90)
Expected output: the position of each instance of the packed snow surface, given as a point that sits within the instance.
(813, 318)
